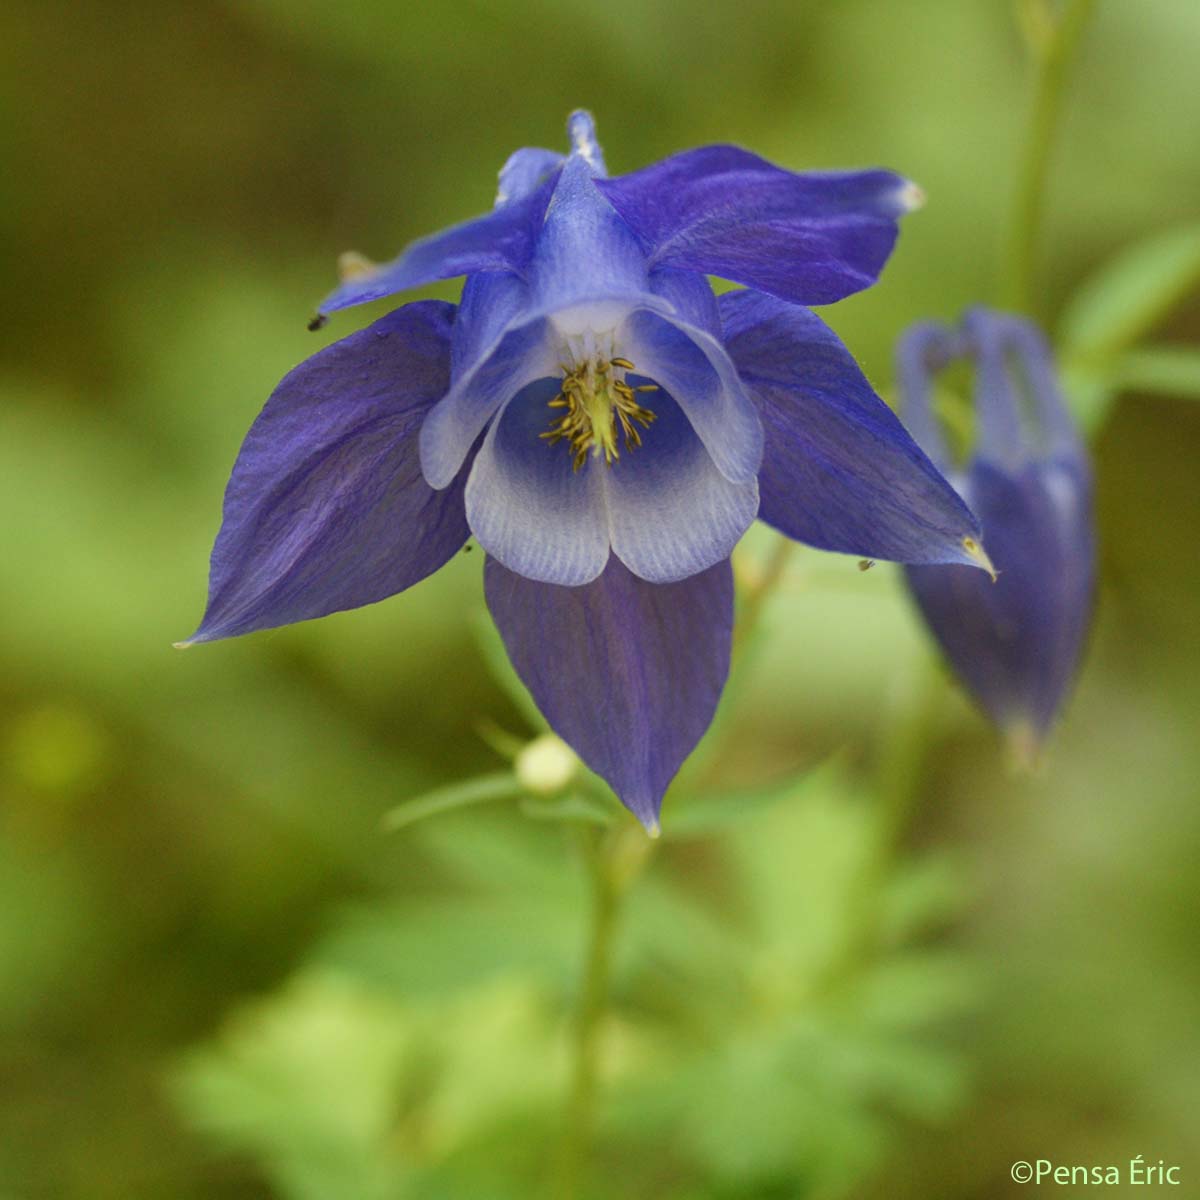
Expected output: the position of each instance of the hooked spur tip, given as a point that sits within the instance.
(979, 555)
(353, 266)
(581, 131)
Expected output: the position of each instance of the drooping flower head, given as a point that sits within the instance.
(603, 425)
(1014, 644)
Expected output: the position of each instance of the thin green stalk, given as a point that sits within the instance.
(614, 858)
(1053, 53)
(908, 727)
(754, 592)
(758, 591)
(903, 751)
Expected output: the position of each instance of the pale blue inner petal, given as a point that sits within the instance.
(671, 513)
(526, 504)
(527, 352)
(695, 369)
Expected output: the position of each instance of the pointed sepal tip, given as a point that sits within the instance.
(979, 556)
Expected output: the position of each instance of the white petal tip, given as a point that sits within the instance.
(182, 645)
(911, 196)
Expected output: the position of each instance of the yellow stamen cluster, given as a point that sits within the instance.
(598, 401)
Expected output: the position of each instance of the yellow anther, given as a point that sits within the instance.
(597, 403)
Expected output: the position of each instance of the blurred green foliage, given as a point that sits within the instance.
(219, 978)
(756, 1041)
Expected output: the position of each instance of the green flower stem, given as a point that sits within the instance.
(1053, 50)
(909, 727)
(757, 591)
(903, 750)
(755, 586)
(615, 857)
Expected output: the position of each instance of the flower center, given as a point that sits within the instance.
(601, 409)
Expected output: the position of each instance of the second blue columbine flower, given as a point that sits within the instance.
(604, 426)
(1015, 644)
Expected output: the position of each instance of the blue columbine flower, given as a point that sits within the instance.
(605, 428)
(1016, 644)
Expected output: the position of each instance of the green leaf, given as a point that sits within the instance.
(1091, 394)
(571, 807)
(501, 786)
(1037, 24)
(340, 1092)
(1130, 294)
(1093, 387)
(923, 895)
(1163, 370)
(802, 866)
(699, 815)
(417, 950)
(306, 1083)
(915, 990)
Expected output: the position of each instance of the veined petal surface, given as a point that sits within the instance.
(628, 673)
(327, 508)
(697, 371)
(501, 240)
(583, 248)
(525, 171)
(525, 353)
(808, 238)
(1016, 644)
(839, 470)
(492, 303)
(670, 512)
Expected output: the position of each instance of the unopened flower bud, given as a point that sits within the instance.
(546, 765)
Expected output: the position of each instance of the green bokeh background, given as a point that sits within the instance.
(219, 979)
